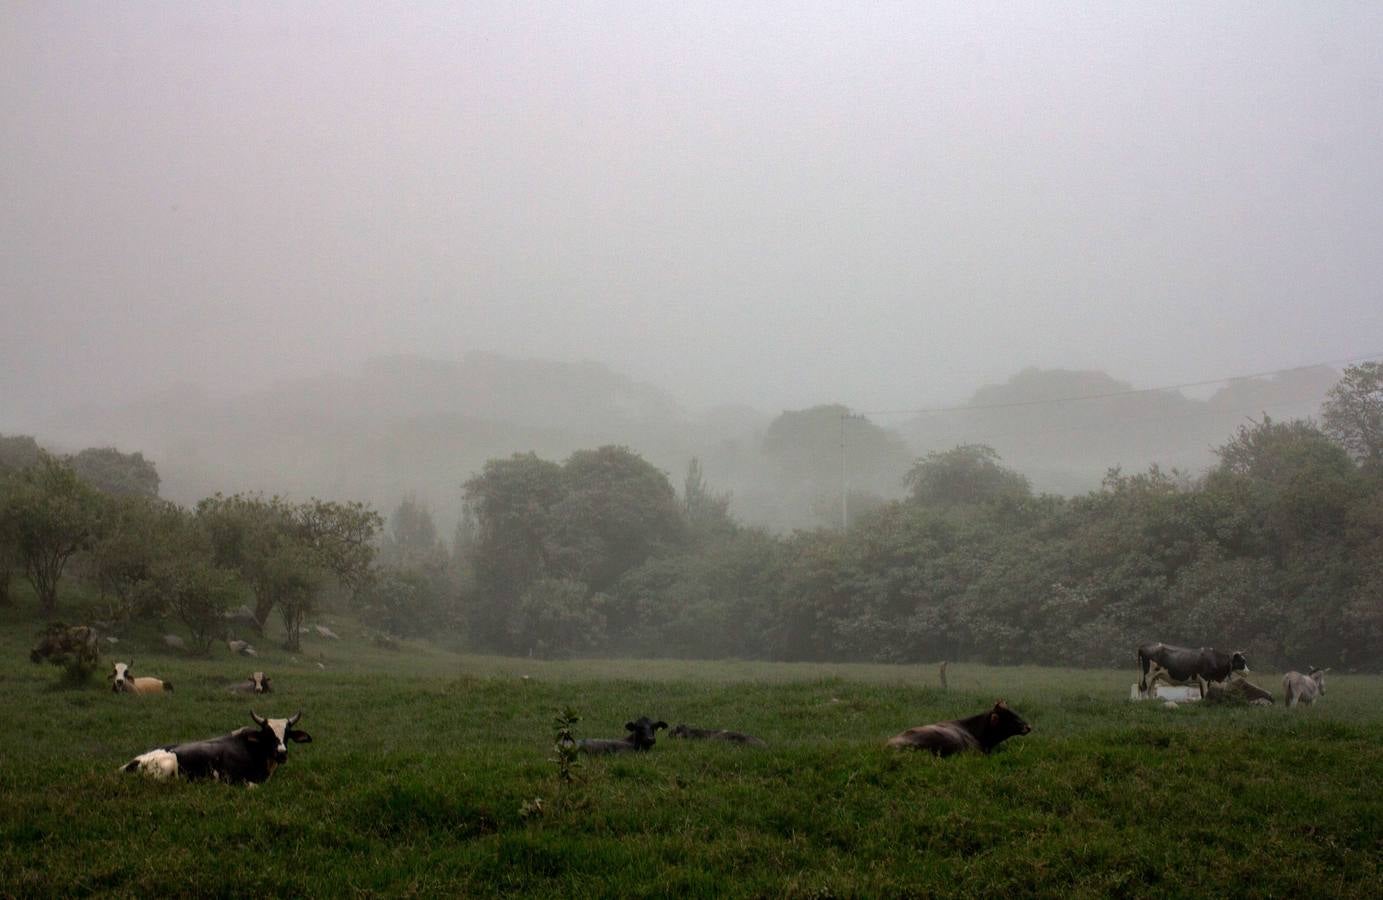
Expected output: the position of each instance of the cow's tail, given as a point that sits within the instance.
(131, 766)
(168, 686)
(1142, 671)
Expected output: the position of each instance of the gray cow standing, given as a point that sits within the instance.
(1304, 688)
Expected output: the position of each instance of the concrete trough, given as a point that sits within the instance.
(1179, 693)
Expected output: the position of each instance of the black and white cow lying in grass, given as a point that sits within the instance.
(716, 734)
(245, 756)
(1306, 688)
(983, 733)
(257, 683)
(642, 735)
(123, 682)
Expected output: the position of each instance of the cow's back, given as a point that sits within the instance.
(943, 739)
(604, 745)
(146, 684)
(225, 758)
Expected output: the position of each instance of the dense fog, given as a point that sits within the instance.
(775, 206)
(698, 290)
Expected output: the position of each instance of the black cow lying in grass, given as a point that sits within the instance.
(641, 736)
(715, 734)
(983, 732)
(245, 756)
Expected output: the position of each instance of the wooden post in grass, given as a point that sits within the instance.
(943, 675)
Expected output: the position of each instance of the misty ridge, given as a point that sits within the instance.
(409, 426)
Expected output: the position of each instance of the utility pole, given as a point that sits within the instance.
(844, 484)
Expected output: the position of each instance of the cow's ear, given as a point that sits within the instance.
(659, 724)
(628, 726)
(299, 737)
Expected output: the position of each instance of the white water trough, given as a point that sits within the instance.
(1179, 693)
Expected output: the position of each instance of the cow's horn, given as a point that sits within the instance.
(296, 716)
(258, 721)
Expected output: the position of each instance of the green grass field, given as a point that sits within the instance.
(423, 761)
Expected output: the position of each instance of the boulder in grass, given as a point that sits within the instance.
(326, 632)
(173, 642)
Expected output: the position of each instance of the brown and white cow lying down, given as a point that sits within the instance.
(716, 734)
(258, 683)
(122, 682)
(983, 732)
(1304, 688)
(245, 756)
(642, 735)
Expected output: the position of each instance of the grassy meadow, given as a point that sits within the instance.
(425, 768)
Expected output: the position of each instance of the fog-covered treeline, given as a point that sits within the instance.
(1278, 550)
(402, 425)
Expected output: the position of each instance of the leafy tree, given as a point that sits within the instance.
(410, 540)
(17, 452)
(970, 473)
(123, 474)
(198, 593)
(714, 600)
(805, 445)
(557, 617)
(617, 510)
(246, 531)
(407, 602)
(137, 534)
(706, 511)
(513, 501)
(340, 536)
(1353, 413)
(285, 551)
(292, 575)
(49, 514)
(1296, 481)
(9, 540)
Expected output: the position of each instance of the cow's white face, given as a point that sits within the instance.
(282, 731)
(121, 677)
(261, 683)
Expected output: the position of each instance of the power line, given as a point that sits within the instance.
(1127, 393)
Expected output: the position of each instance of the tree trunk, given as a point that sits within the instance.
(264, 606)
(292, 615)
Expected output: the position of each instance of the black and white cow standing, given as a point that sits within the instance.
(1185, 665)
(245, 756)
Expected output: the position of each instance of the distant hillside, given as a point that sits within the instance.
(1065, 445)
(403, 424)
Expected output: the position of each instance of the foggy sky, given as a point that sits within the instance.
(776, 204)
